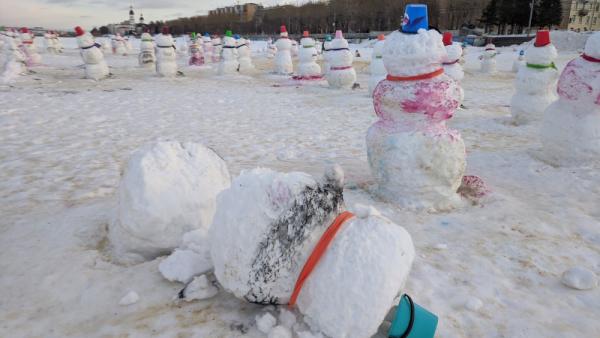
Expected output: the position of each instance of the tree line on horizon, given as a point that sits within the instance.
(512, 16)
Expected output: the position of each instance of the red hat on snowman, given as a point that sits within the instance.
(305, 34)
(542, 38)
(79, 31)
(284, 32)
(447, 38)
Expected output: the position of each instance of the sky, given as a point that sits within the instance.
(66, 14)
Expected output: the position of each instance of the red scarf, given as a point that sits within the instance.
(416, 77)
(589, 58)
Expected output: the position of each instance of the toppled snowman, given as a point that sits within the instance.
(571, 125)
(166, 189)
(416, 160)
(267, 225)
(378, 71)
(166, 58)
(95, 66)
(341, 74)
(536, 81)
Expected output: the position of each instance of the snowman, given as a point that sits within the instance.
(107, 46)
(118, 45)
(416, 160)
(166, 57)
(294, 49)
(341, 73)
(196, 51)
(308, 69)
(451, 62)
(28, 47)
(57, 42)
(182, 45)
(207, 47)
(272, 229)
(283, 56)
(519, 61)
(217, 48)
(244, 56)
(49, 41)
(128, 45)
(95, 66)
(14, 60)
(271, 49)
(376, 67)
(326, 54)
(535, 84)
(488, 59)
(571, 125)
(147, 58)
(229, 63)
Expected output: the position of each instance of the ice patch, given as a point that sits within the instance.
(580, 278)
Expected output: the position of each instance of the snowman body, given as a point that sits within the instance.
(535, 85)
(326, 55)
(271, 49)
(376, 67)
(417, 161)
(166, 56)
(57, 43)
(30, 50)
(452, 66)
(488, 59)
(283, 56)
(266, 226)
(119, 46)
(50, 43)
(196, 54)
(217, 48)
(229, 63)
(341, 73)
(307, 59)
(518, 63)
(95, 65)
(106, 46)
(570, 131)
(14, 60)
(244, 57)
(147, 58)
(207, 48)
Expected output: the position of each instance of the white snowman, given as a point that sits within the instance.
(326, 54)
(147, 58)
(217, 45)
(341, 74)
(106, 46)
(29, 48)
(283, 56)
(294, 49)
(95, 66)
(488, 59)
(451, 62)
(308, 69)
(244, 56)
(49, 41)
(535, 85)
(271, 49)
(166, 56)
(519, 61)
(376, 67)
(207, 48)
(14, 60)
(118, 45)
(416, 160)
(272, 229)
(229, 63)
(571, 125)
(57, 42)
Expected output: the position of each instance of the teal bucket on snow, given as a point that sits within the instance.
(412, 321)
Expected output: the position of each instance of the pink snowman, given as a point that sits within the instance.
(416, 160)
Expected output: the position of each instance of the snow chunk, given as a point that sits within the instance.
(192, 258)
(166, 190)
(200, 288)
(286, 317)
(473, 304)
(580, 278)
(265, 322)
(280, 332)
(130, 298)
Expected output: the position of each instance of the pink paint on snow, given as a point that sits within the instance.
(578, 81)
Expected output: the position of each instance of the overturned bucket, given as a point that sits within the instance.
(412, 321)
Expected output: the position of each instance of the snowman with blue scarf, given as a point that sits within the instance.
(95, 66)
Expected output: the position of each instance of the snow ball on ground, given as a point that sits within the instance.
(286, 317)
(166, 190)
(265, 322)
(200, 288)
(191, 259)
(580, 278)
(473, 304)
(130, 298)
(280, 332)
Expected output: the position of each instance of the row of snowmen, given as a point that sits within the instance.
(232, 53)
(53, 43)
(18, 53)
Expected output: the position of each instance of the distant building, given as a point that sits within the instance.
(129, 26)
(583, 15)
(246, 12)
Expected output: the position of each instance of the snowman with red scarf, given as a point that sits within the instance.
(571, 125)
(341, 74)
(95, 66)
(417, 161)
(29, 49)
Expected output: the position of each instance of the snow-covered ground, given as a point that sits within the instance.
(487, 270)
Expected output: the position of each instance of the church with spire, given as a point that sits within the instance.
(129, 27)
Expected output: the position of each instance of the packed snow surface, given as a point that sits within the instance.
(64, 141)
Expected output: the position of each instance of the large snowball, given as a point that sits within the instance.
(166, 190)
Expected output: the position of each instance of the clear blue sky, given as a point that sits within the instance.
(65, 14)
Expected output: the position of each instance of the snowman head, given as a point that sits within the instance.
(413, 54)
(146, 37)
(592, 46)
(84, 40)
(543, 51)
